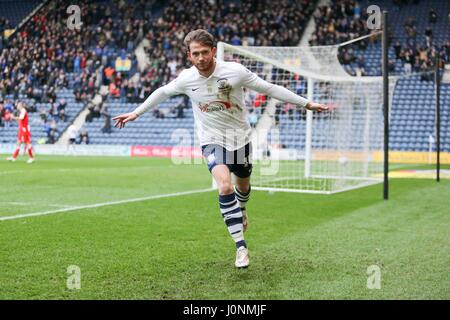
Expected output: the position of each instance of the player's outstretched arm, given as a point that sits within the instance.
(252, 81)
(158, 96)
(285, 95)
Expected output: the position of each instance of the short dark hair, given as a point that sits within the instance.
(201, 36)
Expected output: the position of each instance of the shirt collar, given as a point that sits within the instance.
(215, 72)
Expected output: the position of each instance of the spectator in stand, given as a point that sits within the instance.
(426, 69)
(432, 16)
(252, 118)
(260, 102)
(123, 92)
(429, 36)
(72, 133)
(178, 109)
(391, 65)
(398, 49)
(131, 92)
(158, 113)
(109, 73)
(62, 115)
(43, 115)
(51, 129)
(114, 92)
(7, 113)
(84, 137)
(360, 71)
(1, 114)
(107, 119)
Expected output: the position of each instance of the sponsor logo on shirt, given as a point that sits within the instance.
(217, 105)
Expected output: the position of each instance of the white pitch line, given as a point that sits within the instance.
(97, 205)
(71, 169)
(37, 204)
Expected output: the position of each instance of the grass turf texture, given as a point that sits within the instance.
(302, 246)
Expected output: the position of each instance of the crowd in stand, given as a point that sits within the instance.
(251, 22)
(338, 22)
(254, 23)
(36, 61)
(345, 20)
(47, 45)
(4, 25)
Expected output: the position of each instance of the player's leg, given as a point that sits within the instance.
(30, 152)
(228, 203)
(231, 212)
(242, 171)
(242, 189)
(229, 206)
(15, 153)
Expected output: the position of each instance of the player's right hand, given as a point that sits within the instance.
(124, 118)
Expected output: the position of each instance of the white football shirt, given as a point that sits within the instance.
(218, 101)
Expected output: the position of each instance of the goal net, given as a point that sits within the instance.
(296, 150)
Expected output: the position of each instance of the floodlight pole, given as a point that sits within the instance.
(385, 53)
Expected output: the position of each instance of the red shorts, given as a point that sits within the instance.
(24, 137)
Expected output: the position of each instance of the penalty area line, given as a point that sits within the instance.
(104, 204)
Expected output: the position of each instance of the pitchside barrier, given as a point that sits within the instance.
(195, 152)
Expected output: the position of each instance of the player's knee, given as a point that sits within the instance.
(225, 187)
(243, 186)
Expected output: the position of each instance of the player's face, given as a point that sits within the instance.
(201, 56)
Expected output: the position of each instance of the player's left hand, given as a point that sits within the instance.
(316, 107)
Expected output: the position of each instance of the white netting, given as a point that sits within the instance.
(295, 150)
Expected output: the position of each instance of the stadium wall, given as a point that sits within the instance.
(73, 150)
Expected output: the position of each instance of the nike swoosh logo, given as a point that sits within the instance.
(195, 89)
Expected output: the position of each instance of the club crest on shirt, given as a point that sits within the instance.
(223, 89)
(223, 101)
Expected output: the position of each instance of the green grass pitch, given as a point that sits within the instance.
(302, 246)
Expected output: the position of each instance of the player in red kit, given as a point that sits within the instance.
(24, 134)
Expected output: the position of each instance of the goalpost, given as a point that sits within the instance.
(300, 151)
